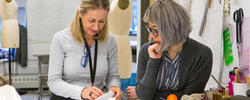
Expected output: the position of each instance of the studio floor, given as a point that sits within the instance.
(32, 95)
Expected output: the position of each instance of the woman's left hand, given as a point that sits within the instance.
(117, 91)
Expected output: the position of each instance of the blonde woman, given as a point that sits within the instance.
(84, 57)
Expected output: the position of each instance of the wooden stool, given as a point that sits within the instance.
(43, 77)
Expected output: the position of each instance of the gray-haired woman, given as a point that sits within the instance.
(172, 63)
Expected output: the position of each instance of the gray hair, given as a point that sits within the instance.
(172, 21)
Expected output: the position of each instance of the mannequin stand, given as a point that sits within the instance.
(9, 67)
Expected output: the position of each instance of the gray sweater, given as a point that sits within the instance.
(67, 78)
(194, 71)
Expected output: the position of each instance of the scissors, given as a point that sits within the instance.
(238, 19)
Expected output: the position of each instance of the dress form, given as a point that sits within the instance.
(119, 22)
(10, 28)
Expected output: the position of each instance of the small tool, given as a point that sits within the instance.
(238, 19)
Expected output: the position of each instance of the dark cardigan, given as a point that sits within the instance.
(195, 69)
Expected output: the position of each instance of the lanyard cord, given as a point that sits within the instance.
(92, 71)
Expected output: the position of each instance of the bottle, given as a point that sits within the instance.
(230, 83)
(236, 73)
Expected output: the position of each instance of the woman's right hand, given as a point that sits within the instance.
(91, 93)
(131, 92)
(154, 51)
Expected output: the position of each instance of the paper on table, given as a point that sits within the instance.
(240, 88)
(106, 96)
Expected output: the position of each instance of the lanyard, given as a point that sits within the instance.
(92, 71)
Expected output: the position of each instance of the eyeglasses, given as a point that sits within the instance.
(153, 31)
(85, 58)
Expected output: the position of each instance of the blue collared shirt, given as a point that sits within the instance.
(168, 77)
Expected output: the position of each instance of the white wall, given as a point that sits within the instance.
(219, 70)
(235, 5)
(44, 19)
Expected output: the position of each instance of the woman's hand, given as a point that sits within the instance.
(154, 51)
(117, 91)
(91, 93)
(131, 93)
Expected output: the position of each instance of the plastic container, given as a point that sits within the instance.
(240, 88)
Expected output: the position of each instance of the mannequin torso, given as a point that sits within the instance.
(10, 28)
(119, 25)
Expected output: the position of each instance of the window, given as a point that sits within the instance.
(133, 28)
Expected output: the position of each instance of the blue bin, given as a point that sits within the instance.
(128, 82)
(124, 84)
(132, 79)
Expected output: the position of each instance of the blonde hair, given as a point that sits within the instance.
(76, 26)
(3, 81)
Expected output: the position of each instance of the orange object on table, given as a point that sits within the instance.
(172, 97)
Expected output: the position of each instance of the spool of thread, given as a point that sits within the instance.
(217, 96)
(248, 80)
(226, 94)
